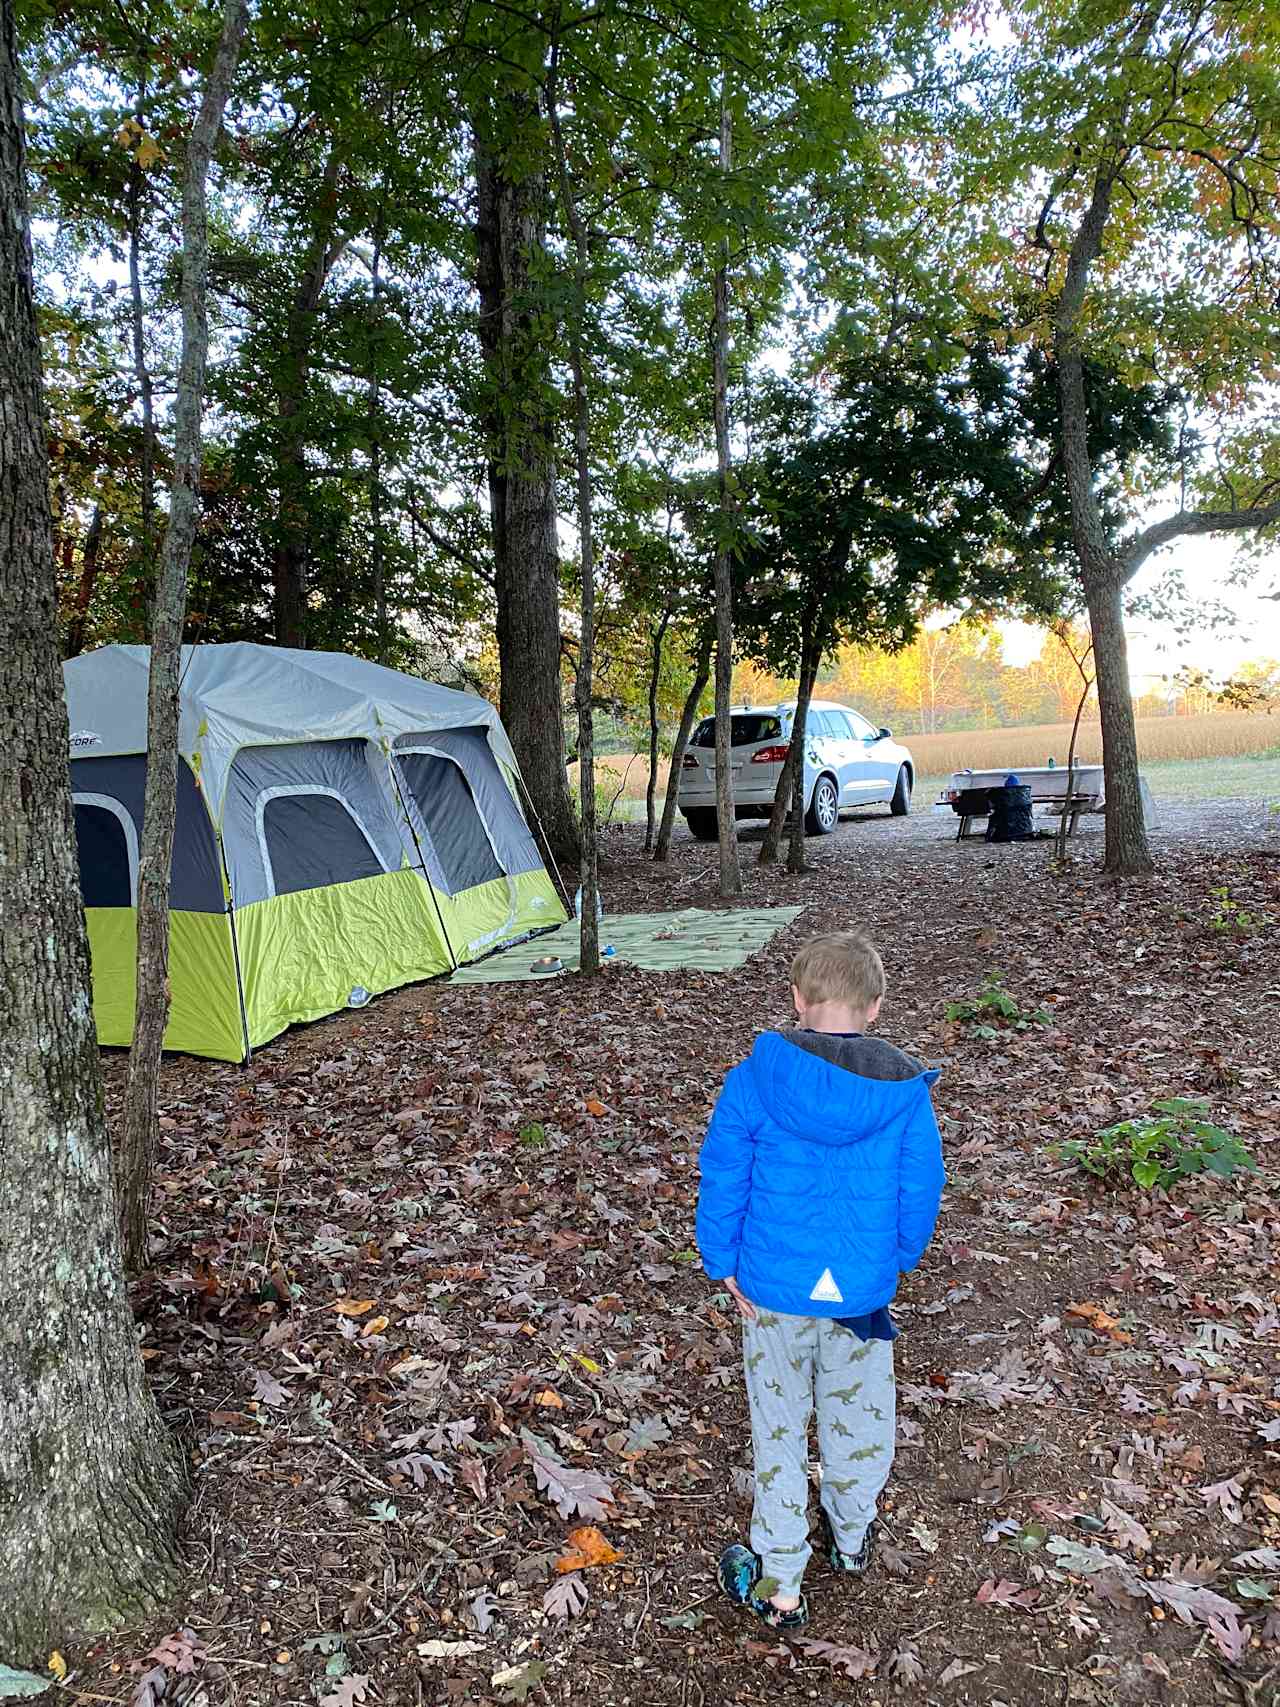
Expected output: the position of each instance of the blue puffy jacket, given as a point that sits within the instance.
(821, 1173)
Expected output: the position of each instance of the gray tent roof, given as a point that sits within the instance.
(258, 696)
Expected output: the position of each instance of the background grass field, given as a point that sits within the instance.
(1226, 756)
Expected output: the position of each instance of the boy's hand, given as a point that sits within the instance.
(746, 1309)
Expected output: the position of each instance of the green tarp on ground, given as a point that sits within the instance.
(655, 942)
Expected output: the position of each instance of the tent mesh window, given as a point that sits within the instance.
(448, 808)
(313, 841)
(104, 858)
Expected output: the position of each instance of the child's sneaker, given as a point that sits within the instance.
(740, 1570)
(850, 1564)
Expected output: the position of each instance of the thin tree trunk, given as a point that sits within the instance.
(784, 792)
(90, 1485)
(589, 955)
(730, 871)
(651, 786)
(375, 448)
(88, 580)
(810, 656)
(151, 1007)
(141, 372)
(292, 542)
(520, 428)
(701, 676)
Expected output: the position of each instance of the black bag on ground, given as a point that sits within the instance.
(1010, 819)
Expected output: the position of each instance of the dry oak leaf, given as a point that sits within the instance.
(354, 1306)
(374, 1325)
(586, 1546)
(595, 1106)
(347, 1691)
(1101, 1323)
(565, 1598)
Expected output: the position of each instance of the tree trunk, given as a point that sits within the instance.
(784, 794)
(651, 786)
(730, 871)
(141, 372)
(292, 529)
(1127, 850)
(701, 675)
(809, 659)
(151, 1006)
(589, 923)
(375, 448)
(90, 1486)
(520, 427)
(88, 580)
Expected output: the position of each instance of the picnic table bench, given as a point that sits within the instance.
(1049, 789)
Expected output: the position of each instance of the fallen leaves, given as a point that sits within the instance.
(572, 1492)
(1099, 1320)
(999, 1591)
(354, 1306)
(586, 1546)
(566, 1597)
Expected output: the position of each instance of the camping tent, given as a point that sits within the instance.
(341, 828)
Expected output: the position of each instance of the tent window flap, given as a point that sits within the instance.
(311, 840)
(448, 808)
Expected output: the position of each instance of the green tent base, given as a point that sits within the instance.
(692, 940)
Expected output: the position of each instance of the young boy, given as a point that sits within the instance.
(821, 1179)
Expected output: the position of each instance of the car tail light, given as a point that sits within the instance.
(770, 756)
(688, 763)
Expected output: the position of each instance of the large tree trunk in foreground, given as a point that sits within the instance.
(89, 1483)
(810, 656)
(1127, 849)
(151, 1007)
(521, 431)
(730, 871)
(701, 676)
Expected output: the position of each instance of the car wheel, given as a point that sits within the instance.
(702, 823)
(824, 809)
(900, 805)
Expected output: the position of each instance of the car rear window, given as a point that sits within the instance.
(747, 729)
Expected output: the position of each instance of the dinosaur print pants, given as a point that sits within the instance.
(795, 1364)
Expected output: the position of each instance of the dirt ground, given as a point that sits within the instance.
(425, 1299)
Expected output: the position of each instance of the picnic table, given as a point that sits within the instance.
(1049, 785)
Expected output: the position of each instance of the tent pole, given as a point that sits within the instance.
(235, 956)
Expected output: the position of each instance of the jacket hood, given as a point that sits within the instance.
(834, 1090)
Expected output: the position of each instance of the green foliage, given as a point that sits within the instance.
(1175, 1143)
(993, 1010)
(1229, 918)
(533, 1136)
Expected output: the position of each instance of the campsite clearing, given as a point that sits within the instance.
(424, 1270)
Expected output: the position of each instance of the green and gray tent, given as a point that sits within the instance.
(341, 828)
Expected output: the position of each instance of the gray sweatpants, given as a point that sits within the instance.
(790, 1361)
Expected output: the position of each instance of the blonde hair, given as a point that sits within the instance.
(842, 966)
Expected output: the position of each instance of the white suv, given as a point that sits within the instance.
(847, 764)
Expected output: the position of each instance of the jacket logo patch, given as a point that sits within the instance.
(826, 1291)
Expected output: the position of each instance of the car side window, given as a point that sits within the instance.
(817, 723)
(840, 725)
(862, 729)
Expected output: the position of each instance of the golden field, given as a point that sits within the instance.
(1228, 734)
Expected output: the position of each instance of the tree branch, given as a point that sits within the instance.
(1185, 522)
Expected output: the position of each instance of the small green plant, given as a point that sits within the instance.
(533, 1136)
(993, 1010)
(1230, 917)
(1175, 1142)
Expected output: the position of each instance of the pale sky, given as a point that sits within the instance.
(1156, 649)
